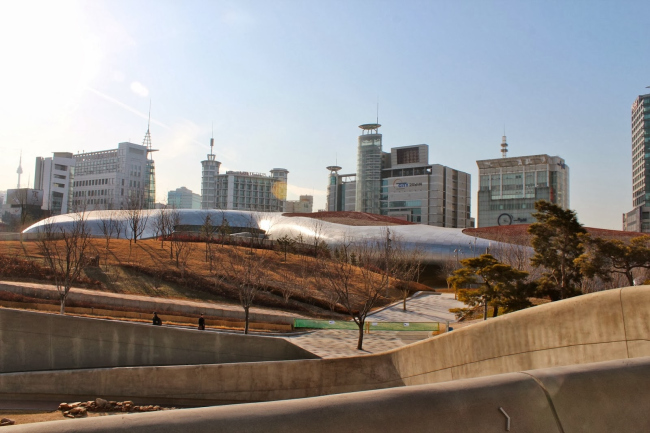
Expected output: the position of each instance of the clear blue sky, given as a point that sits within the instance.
(286, 84)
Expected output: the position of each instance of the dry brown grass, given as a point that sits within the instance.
(145, 268)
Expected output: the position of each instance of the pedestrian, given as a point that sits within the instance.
(201, 323)
(156, 319)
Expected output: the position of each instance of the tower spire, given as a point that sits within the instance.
(147, 137)
(20, 168)
(504, 144)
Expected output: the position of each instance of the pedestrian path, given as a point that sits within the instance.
(426, 307)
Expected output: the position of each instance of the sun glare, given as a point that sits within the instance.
(48, 59)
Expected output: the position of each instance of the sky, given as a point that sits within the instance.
(286, 84)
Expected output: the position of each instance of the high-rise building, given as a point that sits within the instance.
(183, 198)
(54, 175)
(209, 173)
(509, 187)
(113, 179)
(410, 189)
(341, 190)
(368, 178)
(638, 219)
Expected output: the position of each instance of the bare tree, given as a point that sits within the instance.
(208, 229)
(245, 270)
(159, 224)
(358, 288)
(405, 266)
(137, 216)
(107, 226)
(63, 252)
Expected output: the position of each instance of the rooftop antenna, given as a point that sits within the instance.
(20, 168)
(504, 144)
(212, 140)
(147, 137)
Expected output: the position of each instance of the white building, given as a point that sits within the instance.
(112, 179)
(242, 190)
(54, 175)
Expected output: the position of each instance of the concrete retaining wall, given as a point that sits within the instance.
(36, 341)
(598, 327)
(596, 398)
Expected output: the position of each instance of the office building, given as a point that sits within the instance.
(638, 219)
(368, 176)
(54, 176)
(242, 190)
(114, 179)
(23, 205)
(305, 204)
(509, 187)
(409, 188)
(183, 198)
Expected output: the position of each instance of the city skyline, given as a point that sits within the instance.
(287, 83)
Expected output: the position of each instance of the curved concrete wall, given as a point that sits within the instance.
(36, 341)
(596, 398)
(598, 327)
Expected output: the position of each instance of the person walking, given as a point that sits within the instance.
(201, 323)
(156, 319)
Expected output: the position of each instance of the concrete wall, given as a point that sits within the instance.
(36, 341)
(598, 327)
(596, 398)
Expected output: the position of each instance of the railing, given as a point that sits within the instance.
(369, 325)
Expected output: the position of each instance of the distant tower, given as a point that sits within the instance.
(504, 145)
(209, 179)
(150, 171)
(333, 188)
(20, 169)
(368, 169)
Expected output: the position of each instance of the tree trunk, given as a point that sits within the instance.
(485, 309)
(360, 342)
(246, 320)
(62, 296)
(630, 277)
(495, 312)
(404, 302)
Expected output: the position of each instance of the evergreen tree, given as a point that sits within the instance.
(557, 245)
(499, 285)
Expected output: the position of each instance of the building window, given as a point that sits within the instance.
(409, 155)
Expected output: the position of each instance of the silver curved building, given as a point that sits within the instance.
(437, 244)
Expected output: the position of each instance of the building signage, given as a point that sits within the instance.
(399, 184)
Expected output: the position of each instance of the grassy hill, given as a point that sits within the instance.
(145, 268)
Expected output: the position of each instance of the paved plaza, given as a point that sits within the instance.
(424, 307)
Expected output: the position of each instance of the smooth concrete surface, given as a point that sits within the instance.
(596, 398)
(597, 327)
(31, 341)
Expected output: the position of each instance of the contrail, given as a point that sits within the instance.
(126, 107)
